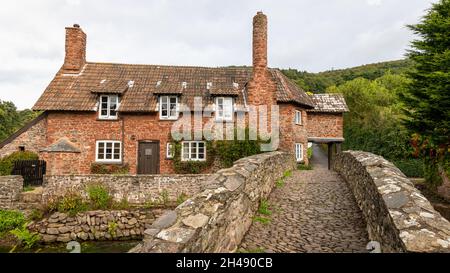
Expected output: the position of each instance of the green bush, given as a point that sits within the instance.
(72, 203)
(99, 196)
(10, 219)
(226, 152)
(98, 168)
(310, 152)
(7, 162)
(181, 198)
(27, 238)
(36, 215)
(410, 167)
(229, 151)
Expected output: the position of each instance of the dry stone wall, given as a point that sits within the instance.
(398, 216)
(94, 225)
(216, 219)
(137, 189)
(10, 189)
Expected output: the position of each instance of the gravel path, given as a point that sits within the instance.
(314, 211)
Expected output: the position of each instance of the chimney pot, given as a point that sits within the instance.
(76, 25)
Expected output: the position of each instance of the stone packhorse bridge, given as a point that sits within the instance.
(366, 198)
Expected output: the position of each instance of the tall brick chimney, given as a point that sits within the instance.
(259, 44)
(75, 49)
(261, 88)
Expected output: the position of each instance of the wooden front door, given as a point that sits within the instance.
(148, 158)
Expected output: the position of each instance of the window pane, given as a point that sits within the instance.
(185, 151)
(164, 100)
(193, 150)
(104, 99)
(173, 100)
(173, 110)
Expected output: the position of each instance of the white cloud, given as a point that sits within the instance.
(374, 2)
(308, 35)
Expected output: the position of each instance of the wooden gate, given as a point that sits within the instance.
(32, 171)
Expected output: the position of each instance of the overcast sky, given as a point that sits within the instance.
(312, 35)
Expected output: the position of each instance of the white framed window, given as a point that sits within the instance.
(299, 152)
(168, 107)
(108, 106)
(193, 151)
(108, 151)
(224, 108)
(298, 117)
(170, 150)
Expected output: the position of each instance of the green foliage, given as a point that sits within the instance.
(98, 168)
(72, 203)
(7, 162)
(164, 197)
(28, 188)
(262, 220)
(36, 215)
(112, 228)
(181, 198)
(10, 219)
(11, 119)
(287, 174)
(264, 207)
(427, 98)
(226, 152)
(279, 183)
(319, 82)
(252, 250)
(309, 152)
(303, 167)
(411, 167)
(99, 196)
(374, 121)
(122, 204)
(27, 238)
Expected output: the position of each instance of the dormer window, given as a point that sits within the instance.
(298, 117)
(224, 109)
(108, 106)
(168, 107)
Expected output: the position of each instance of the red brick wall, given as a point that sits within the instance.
(83, 129)
(325, 124)
(291, 133)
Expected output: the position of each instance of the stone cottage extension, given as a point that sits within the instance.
(112, 113)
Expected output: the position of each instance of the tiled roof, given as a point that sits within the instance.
(111, 86)
(329, 103)
(78, 92)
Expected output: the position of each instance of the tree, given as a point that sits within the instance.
(428, 98)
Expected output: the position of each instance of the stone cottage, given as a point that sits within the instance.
(109, 113)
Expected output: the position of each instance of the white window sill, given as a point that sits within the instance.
(115, 162)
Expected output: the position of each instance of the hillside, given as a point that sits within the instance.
(318, 82)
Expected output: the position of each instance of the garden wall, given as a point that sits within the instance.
(216, 219)
(137, 189)
(10, 189)
(398, 216)
(94, 225)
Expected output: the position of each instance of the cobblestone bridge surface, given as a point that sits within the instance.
(314, 211)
